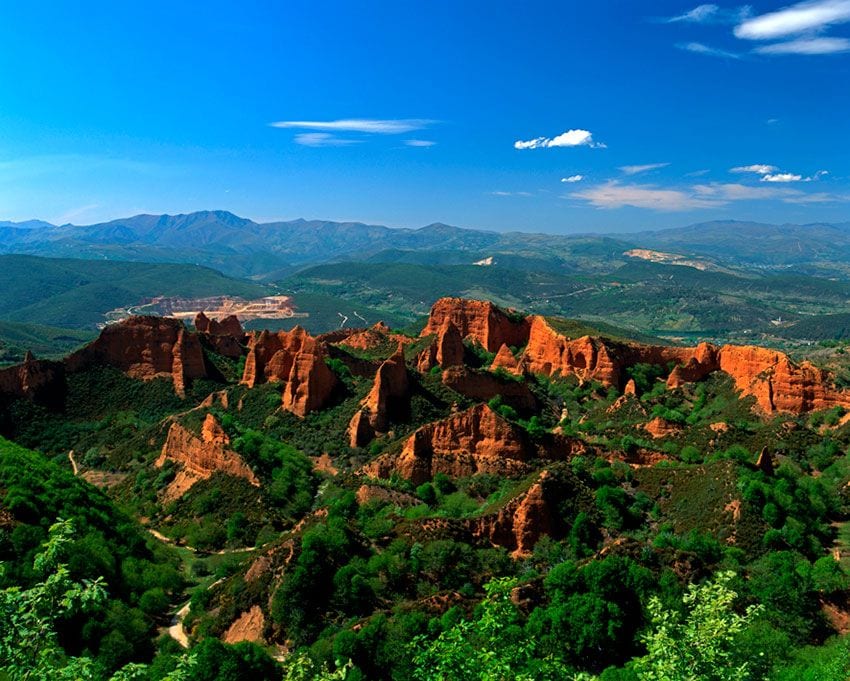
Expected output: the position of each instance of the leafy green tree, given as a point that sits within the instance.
(491, 647)
(701, 646)
(29, 643)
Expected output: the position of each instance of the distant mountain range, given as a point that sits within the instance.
(240, 247)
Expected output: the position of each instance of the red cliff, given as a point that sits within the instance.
(478, 321)
(41, 381)
(474, 441)
(200, 457)
(388, 399)
(295, 359)
(445, 351)
(229, 326)
(145, 348)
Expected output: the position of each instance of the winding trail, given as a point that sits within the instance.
(73, 461)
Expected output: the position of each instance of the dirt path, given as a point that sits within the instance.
(176, 630)
(73, 461)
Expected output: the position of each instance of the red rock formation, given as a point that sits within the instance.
(483, 386)
(478, 321)
(248, 627)
(506, 361)
(144, 348)
(229, 326)
(445, 351)
(41, 381)
(630, 389)
(770, 376)
(389, 399)
(200, 457)
(659, 427)
(360, 431)
(473, 441)
(298, 361)
(765, 462)
(311, 382)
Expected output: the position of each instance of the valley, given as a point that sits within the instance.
(342, 493)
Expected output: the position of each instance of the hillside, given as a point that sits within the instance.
(353, 496)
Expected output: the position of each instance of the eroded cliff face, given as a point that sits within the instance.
(228, 326)
(145, 348)
(445, 351)
(389, 399)
(777, 383)
(478, 321)
(199, 457)
(41, 381)
(474, 441)
(295, 359)
(484, 386)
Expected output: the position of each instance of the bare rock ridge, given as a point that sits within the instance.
(295, 359)
(388, 399)
(446, 350)
(229, 326)
(145, 348)
(777, 383)
(473, 441)
(479, 322)
(41, 381)
(199, 457)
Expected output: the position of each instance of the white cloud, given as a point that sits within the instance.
(321, 139)
(698, 14)
(805, 17)
(367, 125)
(419, 143)
(634, 170)
(570, 138)
(572, 179)
(700, 48)
(498, 193)
(612, 194)
(781, 177)
(758, 168)
(712, 14)
(807, 46)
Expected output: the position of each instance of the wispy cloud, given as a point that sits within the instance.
(501, 193)
(771, 173)
(322, 139)
(570, 138)
(572, 179)
(366, 125)
(781, 177)
(807, 46)
(419, 143)
(700, 48)
(712, 14)
(613, 194)
(634, 170)
(758, 168)
(805, 17)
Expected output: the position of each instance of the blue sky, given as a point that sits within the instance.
(471, 113)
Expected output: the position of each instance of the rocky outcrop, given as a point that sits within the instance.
(295, 359)
(474, 441)
(660, 428)
(477, 321)
(505, 361)
(389, 399)
(311, 382)
(40, 381)
(248, 627)
(549, 352)
(445, 351)
(199, 457)
(483, 386)
(145, 348)
(374, 339)
(229, 326)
